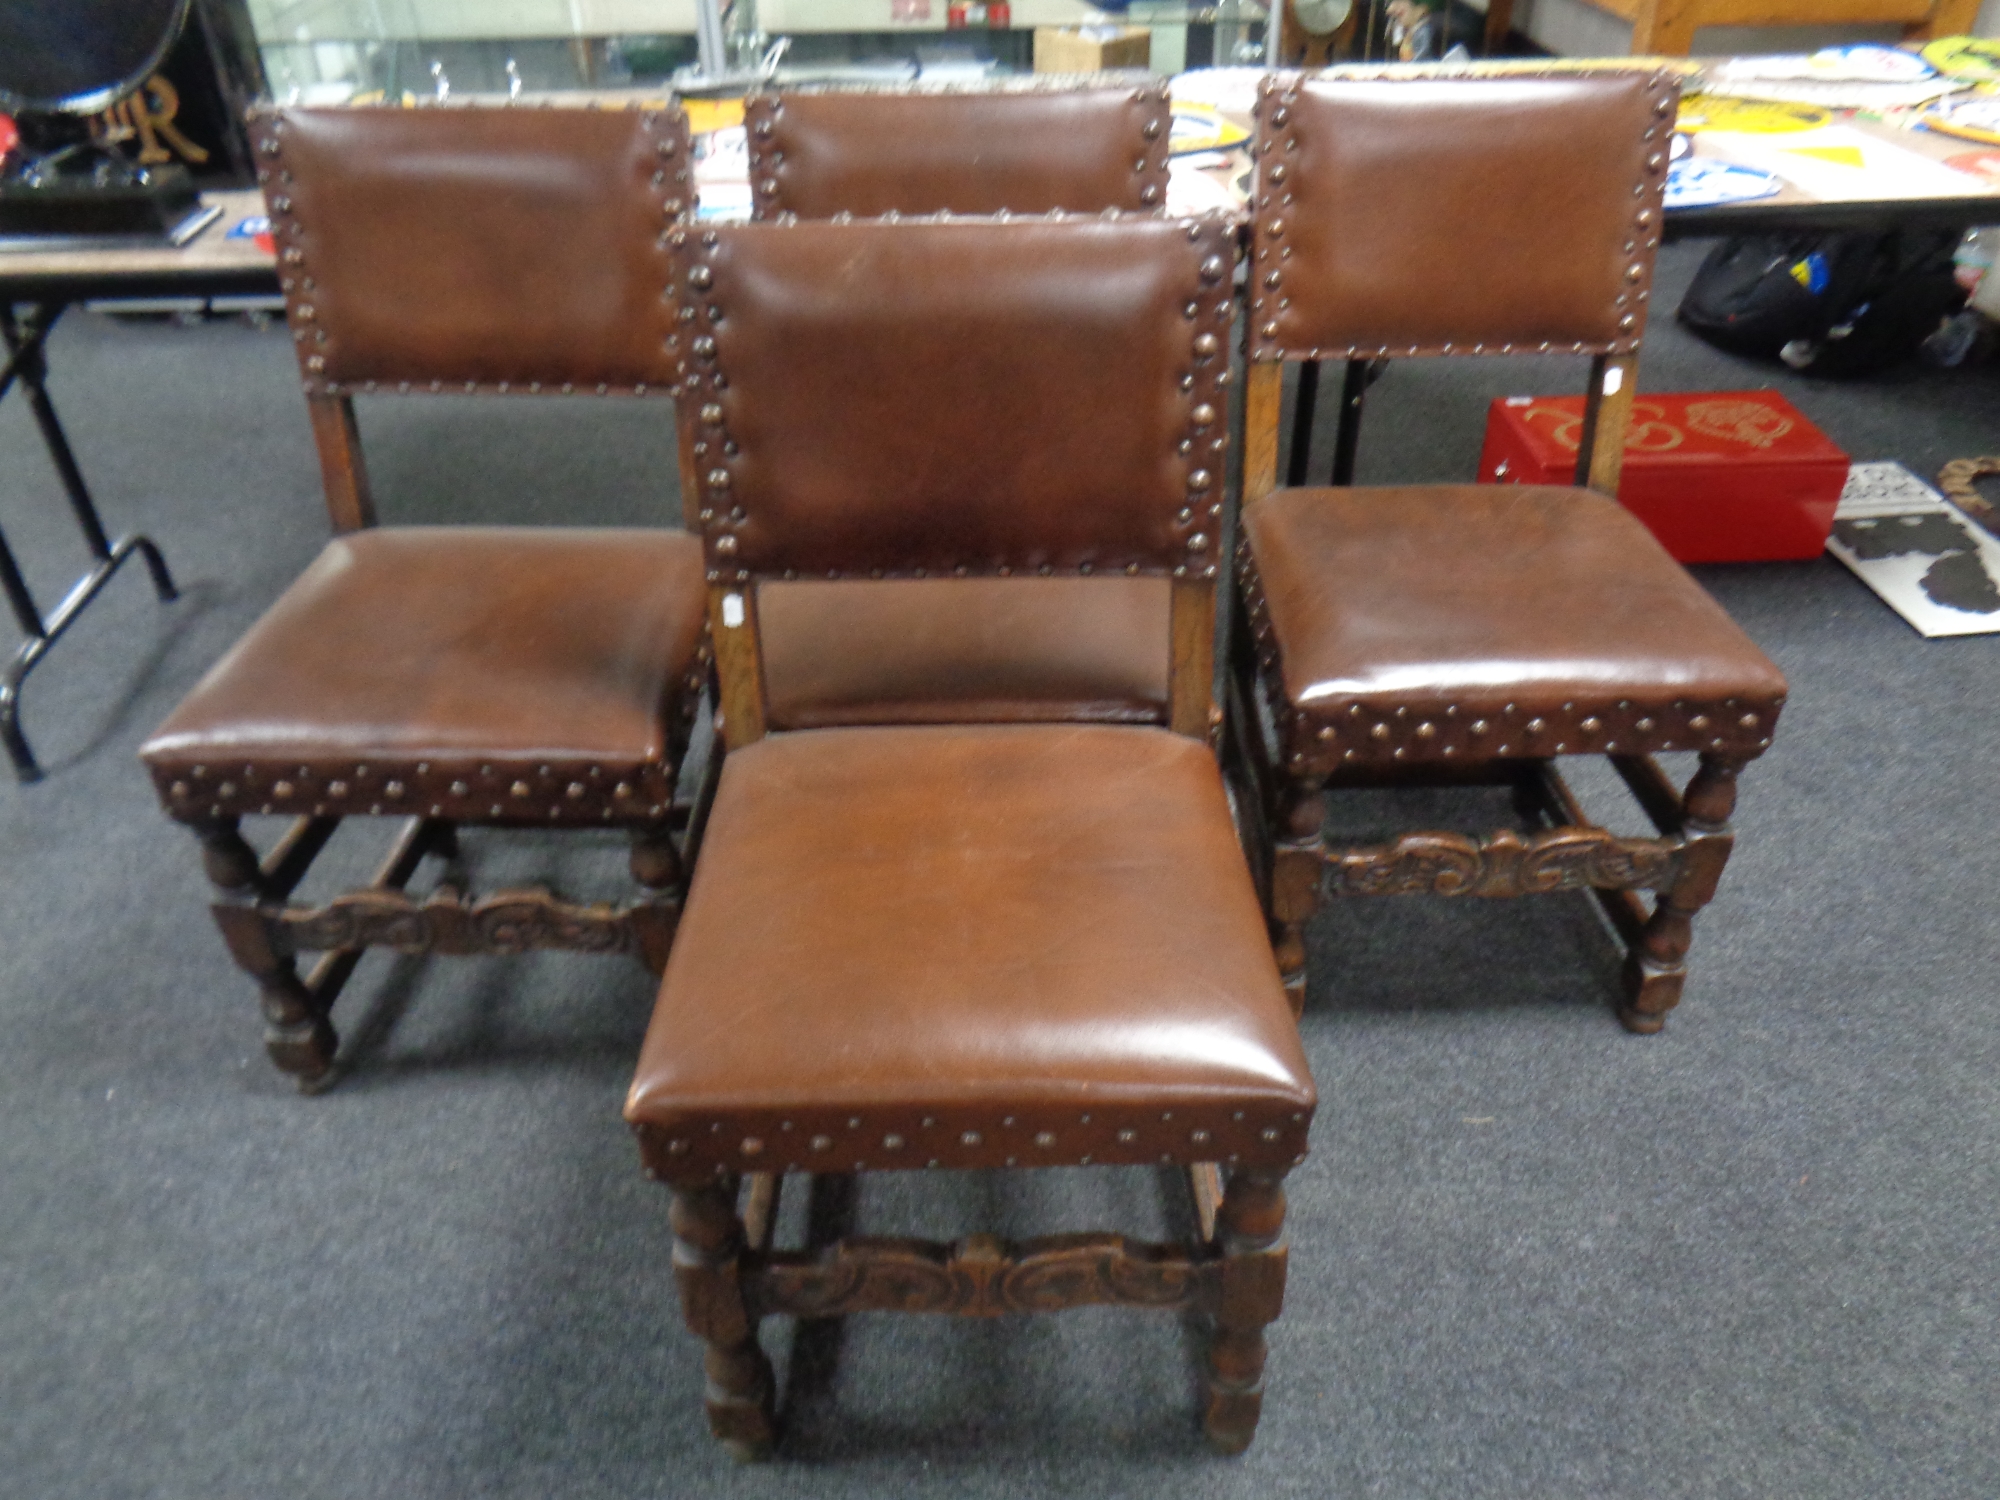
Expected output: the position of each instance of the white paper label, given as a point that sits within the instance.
(1614, 377)
(732, 610)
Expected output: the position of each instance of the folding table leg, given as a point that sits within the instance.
(27, 362)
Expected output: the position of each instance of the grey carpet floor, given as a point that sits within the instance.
(1532, 1255)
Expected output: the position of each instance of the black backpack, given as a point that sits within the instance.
(1827, 304)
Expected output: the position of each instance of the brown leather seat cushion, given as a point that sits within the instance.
(1428, 622)
(957, 650)
(971, 947)
(469, 672)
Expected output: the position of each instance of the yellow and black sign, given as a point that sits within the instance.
(1965, 56)
(1748, 116)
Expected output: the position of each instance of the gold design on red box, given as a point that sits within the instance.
(1738, 421)
(1649, 432)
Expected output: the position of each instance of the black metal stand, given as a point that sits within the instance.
(27, 362)
(1303, 402)
(1358, 376)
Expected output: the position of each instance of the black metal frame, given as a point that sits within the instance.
(27, 362)
(1357, 377)
(47, 295)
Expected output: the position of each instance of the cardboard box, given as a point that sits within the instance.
(1073, 49)
(1717, 476)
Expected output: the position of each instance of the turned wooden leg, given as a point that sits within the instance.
(297, 1034)
(656, 865)
(1249, 1228)
(1656, 968)
(708, 1244)
(1296, 864)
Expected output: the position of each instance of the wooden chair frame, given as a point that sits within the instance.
(266, 931)
(1563, 848)
(731, 1276)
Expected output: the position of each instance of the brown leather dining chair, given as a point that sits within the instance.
(966, 946)
(1478, 633)
(980, 649)
(544, 677)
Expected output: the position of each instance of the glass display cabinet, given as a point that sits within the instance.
(328, 51)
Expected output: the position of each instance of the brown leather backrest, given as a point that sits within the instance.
(1073, 145)
(465, 248)
(962, 397)
(1437, 214)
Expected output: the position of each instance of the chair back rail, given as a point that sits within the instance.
(1402, 214)
(470, 248)
(969, 398)
(1018, 648)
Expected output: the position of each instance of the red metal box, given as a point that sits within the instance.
(1718, 476)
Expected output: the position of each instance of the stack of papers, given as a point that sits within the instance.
(1927, 559)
